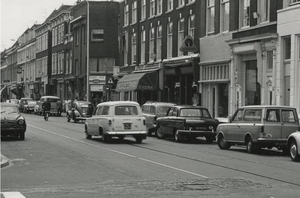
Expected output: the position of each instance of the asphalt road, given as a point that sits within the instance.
(56, 160)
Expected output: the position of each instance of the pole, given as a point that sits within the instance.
(88, 52)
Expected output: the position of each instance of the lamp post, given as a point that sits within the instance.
(88, 51)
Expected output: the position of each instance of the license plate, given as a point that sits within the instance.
(200, 128)
(127, 125)
(280, 143)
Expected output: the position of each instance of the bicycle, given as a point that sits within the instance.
(46, 115)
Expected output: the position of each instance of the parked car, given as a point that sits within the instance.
(259, 126)
(29, 106)
(154, 110)
(12, 123)
(56, 105)
(187, 122)
(80, 111)
(14, 101)
(117, 119)
(293, 144)
(22, 102)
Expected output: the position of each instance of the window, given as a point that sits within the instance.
(151, 45)
(126, 110)
(170, 5)
(270, 59)
(169, 39)
(224, 15)
(53, 64)
(287, 48)
(134, 12)
(126, 15)
(192, 25)
(238, 116)
(253, 115)
(143, 46)
(288, 116)
(133, 48)
(181, 3)
(71, 62)
(97, 35)
(210, 16)
(143, 10)
(180, 34)
(263, 10)
(152, 8)
(158, 42)
(272, 115)
(159, 6)
(125, 48)
(191, 1)
(244, 13)
(67, 63)
(77, 36)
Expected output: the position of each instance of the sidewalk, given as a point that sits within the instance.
(4, 161)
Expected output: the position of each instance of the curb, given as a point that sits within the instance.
(4, 161)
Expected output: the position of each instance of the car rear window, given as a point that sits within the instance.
(162, 111)
(126, 110)
(288, 116)
(203, 113)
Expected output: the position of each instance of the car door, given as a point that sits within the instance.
(165, 122)
(93, 124)
(233, 128)
(290, 123)
(252, 123)
(273, 124)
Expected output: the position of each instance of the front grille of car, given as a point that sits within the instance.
(11, 124)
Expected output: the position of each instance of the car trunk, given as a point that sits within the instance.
(130, 123)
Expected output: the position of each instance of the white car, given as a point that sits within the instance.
(117, 119)
(293, 144)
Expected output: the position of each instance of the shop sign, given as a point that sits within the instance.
(97, 80)
(96, 88)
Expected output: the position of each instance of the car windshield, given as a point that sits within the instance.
(7, 109)
(126, 110)
(163, 110)
(192, 112)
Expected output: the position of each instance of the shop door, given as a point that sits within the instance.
(252, 87)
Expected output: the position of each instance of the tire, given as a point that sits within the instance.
(87, 136)
(22, 136)
(222, 143)
(250, 146)
(293, 148)
(139, 140)
(209, 139)
(178, 137)
(159, 133)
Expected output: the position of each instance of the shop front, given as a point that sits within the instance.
(181, 80)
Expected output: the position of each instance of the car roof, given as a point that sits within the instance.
(159, 103)
(113, 103)
(26, 99)
(267, 106)
(55, 97)
(189, 106)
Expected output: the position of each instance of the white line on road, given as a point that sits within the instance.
(121, 153)
(12, 195)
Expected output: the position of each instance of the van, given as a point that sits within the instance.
(56, 105)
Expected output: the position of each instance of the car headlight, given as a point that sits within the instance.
(21, 121)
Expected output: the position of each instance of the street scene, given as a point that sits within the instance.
(150, 98)
(56, 160)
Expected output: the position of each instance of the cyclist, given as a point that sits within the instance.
(46, 107)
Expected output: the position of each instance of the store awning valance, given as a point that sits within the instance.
(138, 82)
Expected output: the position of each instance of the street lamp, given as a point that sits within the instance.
(88, 51)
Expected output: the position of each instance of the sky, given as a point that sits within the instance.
(18, 15)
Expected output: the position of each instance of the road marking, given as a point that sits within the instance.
(12, 195)
(121, 153)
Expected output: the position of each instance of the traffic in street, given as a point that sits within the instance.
(56, 160)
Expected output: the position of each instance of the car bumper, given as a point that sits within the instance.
(126, 133)
(12, 131)
(271, 142)
(197, 133)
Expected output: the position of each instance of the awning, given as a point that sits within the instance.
(138, 82)
(3, 91)
(15, 90)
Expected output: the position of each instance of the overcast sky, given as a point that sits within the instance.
(18, 15)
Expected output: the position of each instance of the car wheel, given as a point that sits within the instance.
(209, 139)
(222, 143)
(22, 136)
(294, 151)
(178, 137)
(159, 133)
(250, 146)
(87, 136)
(139, 140)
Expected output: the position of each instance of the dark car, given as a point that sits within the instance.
(154, 110)
(23, 102)
(80, 111)
(12, 123)
(187, 122)
(29, 106)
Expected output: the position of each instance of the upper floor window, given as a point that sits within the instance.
(263, 10)
(97, 35)
(169, 39)
(181, 3)
(143, 46)
(126, 15)
(143, 10)
(191, 26)
(270, 59)
(191, 1)
(180, 34)
(152, 8)
(158, 42)
(224, 15)
(151, 44)
(133, 48)
(244, 13)
(287, 48)
(134, 12)
(210, 16)
(170, 5)
(159, 6)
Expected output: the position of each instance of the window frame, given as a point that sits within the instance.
(210, 16)
(134, 12)
(158, 42)
(133, 48)
(242, 14)
(263, 10)
(95, 32)
(152, 8)
(180, 35)
(224, 23)
(143, 10)
(170, 5)
(170, 39)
